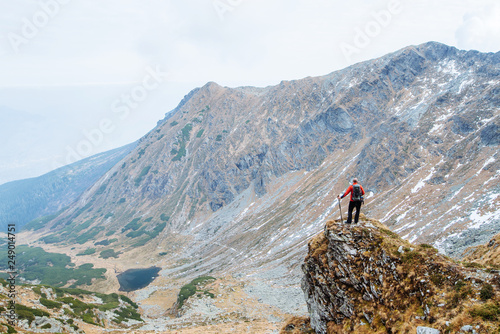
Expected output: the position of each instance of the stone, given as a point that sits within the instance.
(467, 329)
(427, 330)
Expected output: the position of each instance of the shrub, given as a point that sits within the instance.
(105, 254)
(164, 217)
(459, 285)
(104, 242)
(51, 239)
(473, 265)
(186, 130)
(438, 279)
(180, 153)
(174, 123)
(411, 257)
(218, 138)
(10, 329)
(389, 233)
(143, 173)
(489, 311)
(50, 304)
(133, 225)
(101, 189)
(189, 290)
(127, 313)
(128, 300)
(200, 133)
(24, 312)
(52, 268)
(88, 235)
(88, 251)
(40, 222)
(487, 292)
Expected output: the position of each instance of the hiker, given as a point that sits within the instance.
(357, 192)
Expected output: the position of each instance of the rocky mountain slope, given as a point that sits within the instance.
(46, 309)
(235, 181)
(485, 255)
(24, 200)
(366, 279)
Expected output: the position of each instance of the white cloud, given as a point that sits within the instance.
(480, 29)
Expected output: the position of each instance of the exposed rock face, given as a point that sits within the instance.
(365, 279)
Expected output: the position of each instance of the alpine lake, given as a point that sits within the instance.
(135, 279)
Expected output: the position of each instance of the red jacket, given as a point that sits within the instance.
(351, 190)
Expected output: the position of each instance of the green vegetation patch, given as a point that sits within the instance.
(106, 254)
(49, 303)
(101, 189)
(183, 140)
(129, 301)
(127, 313)
(134, 225)
(389, 233)
(51, 239)
(186, 131)
(28, 313)
(83, 209)
(52, 268)
(190, 289)
(81, 239)
(88, 251)
(141, 176)
(83, 226)
(487, 292)
(488, 312)
(39, 223)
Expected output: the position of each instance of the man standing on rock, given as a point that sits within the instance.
(357, 192)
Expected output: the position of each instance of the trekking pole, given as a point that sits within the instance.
(340, 208)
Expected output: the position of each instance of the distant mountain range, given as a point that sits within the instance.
(239, 178)
(24, 200)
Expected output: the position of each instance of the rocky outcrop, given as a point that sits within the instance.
(365, 279)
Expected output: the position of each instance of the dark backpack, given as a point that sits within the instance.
(357, 195)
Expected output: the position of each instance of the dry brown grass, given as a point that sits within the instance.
(485, 255)
(297, 325)
(318, 245)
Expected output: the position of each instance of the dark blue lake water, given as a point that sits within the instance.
(135, 279)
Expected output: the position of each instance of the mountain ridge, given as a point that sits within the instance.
(24, 200)
(239, 178)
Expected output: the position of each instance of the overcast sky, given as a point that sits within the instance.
(69, 68)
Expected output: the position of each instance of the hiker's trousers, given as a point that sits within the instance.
(352, 205)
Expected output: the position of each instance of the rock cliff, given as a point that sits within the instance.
(365, 279)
